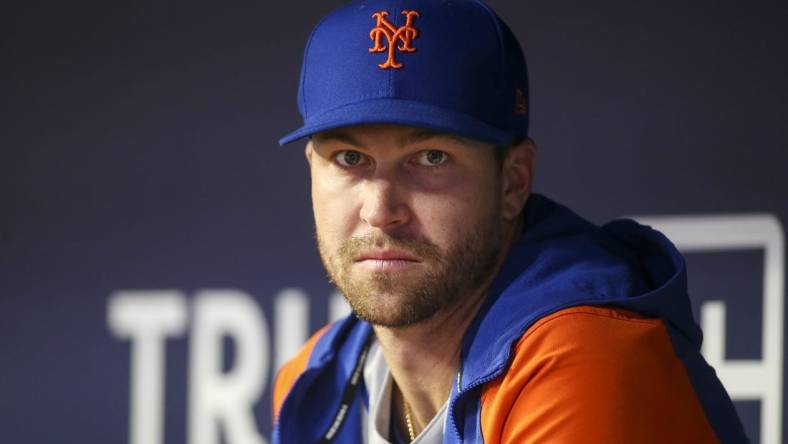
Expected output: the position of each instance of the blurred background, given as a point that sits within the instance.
(157, 259)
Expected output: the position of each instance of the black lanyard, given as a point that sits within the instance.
(348, 394)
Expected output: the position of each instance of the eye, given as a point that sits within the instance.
(431, 157)
(349, 158)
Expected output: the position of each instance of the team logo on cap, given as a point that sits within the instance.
(404, 34)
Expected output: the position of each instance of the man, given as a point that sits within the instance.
(482, 312)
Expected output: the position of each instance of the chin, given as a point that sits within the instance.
(390, 320)
(393, 309)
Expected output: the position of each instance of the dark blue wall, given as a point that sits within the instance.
(137, 152)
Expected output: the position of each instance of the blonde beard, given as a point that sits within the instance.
(397, 300)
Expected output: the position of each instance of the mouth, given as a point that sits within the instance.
(386, 260)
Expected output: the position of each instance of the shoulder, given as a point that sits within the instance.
(600, 332)
(293, 368)
(594, 374)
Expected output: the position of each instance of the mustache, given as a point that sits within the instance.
(419, 247)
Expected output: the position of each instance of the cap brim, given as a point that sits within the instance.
(402, 112)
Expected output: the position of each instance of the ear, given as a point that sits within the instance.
(308, 152)
(517, 175)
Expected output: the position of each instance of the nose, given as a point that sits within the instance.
(383, 206)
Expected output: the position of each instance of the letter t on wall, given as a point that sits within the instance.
(146, 318)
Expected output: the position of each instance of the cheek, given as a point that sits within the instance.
(334, 209)
(448, 216)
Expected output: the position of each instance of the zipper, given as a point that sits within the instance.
(452, 402)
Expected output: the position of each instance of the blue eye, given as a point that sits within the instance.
(349, 158)
(432, 157)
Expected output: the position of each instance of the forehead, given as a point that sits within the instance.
(399, 136)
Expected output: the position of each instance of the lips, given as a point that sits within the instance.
(386, 255)
(387, 261)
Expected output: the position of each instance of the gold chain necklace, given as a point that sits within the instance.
(408, 421)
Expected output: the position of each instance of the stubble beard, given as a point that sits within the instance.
(394, 299)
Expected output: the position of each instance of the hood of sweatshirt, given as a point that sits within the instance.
(562, 260)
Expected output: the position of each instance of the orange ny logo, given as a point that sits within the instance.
(404, 34)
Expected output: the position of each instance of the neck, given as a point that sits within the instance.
(423, 360)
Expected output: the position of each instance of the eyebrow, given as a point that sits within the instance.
(421, 135)
(417, 135)
(338, 135)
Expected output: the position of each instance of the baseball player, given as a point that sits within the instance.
(482, 311)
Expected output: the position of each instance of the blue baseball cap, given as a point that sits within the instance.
(451, 66)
